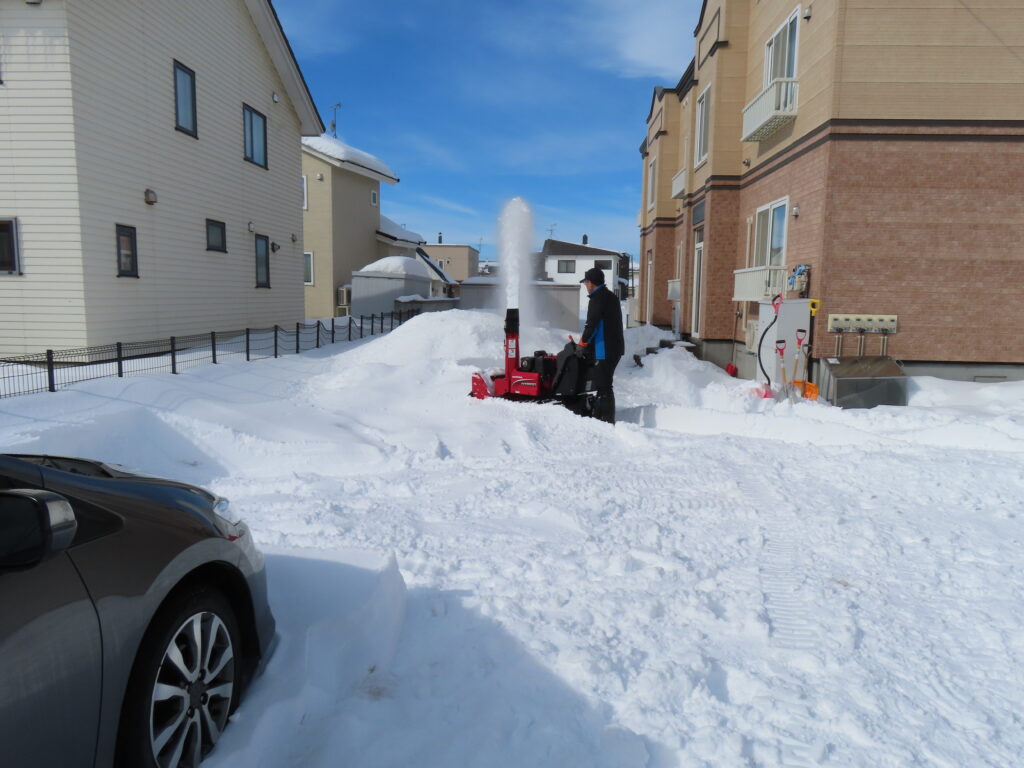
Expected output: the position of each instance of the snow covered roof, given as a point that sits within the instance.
(349, 155)
(433, 265)
(395, 231)
(398, 265)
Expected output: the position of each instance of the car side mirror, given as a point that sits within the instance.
(33, 524)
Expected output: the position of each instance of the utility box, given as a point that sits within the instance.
(793, 314)
(863, 382)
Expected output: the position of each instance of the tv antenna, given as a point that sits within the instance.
(551, 229)
(334, 120)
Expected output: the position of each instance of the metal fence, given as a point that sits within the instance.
(56, 369)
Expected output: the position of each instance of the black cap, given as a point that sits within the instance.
(594, 275)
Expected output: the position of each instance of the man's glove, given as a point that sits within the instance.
(581, 350)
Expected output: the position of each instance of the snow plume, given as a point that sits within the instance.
(515, 237)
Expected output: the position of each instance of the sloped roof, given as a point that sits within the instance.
(394, 231)
(398, 265)
(433, 265)
(348, 156)
(282, 56)
(563, 248)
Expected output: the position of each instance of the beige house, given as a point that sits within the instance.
(154, 191)
(341, 220)
(880, 146)
(461, 262)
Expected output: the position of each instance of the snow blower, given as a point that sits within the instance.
(541, 377)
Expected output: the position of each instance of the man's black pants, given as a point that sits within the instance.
(599, 379)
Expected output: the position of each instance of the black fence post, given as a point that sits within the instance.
(174, 357)
(49, 371)
(213, 346)
(382, 322)
(297, 337)
(350, 327)
(247, 345)
(120, 360)
(392, 313)
(373, 319)
(360, 326)
(318, 334)
(275, 339)
(332, 330)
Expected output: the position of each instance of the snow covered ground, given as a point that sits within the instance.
(717, 580)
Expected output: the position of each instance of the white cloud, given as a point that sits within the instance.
(451, 206)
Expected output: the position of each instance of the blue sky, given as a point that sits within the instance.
(475, 102)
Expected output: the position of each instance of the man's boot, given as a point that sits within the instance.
(604, 407)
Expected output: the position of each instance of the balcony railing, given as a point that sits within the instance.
(758, 283)
(773, 108)
(679, 184)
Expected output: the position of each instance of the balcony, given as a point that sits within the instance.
(773, 108)
(679, 185)
(758, 283)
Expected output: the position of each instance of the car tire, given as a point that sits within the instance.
(184, 684)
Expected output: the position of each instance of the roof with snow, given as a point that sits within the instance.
(354, 159)
(433, 266)
(394, 231)
(398, 265)
(563, 248)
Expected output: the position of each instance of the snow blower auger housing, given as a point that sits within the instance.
(526, 378)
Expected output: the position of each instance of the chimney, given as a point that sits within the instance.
(585, 239)
(440, 239)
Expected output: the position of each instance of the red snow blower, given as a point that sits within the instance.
(542, 378)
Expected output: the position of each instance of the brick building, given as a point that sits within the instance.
(880, 145)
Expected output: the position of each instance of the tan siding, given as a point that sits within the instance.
(317, 235)
(126, 143)
(44, 306)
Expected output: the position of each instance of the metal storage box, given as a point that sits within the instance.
(863, 382)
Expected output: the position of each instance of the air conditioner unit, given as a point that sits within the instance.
(751, 335)
(344, 296)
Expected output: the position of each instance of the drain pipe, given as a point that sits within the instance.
(839, 343)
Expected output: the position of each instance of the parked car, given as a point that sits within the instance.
(133, 614)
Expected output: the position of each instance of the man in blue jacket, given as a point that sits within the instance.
(602, 343)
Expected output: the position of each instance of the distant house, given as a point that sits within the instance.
(565, 262)
(459, 261)
(341, 219)
(441, 283)
(150, 167)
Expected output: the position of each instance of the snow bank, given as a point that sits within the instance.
(339, 150)
(398, 265)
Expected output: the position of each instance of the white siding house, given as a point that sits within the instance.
(566, 263)
(126, 123)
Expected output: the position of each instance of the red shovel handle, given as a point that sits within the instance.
(780, 347)
(801, 335)
(777, 302)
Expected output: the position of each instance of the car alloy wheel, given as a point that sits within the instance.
(191, 697)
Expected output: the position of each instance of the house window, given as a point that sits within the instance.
(651, 182)
(262, 261)
(305, 195)
(780, 51)
(605, 264)
(307, 259)
(127, 252)
(373, 197)
(8, 245)
(703, 110)
(255, 136)
(770, 234)
(216, 236)
(185, 99)
(566, 266)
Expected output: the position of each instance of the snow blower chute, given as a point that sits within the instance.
(540, 378)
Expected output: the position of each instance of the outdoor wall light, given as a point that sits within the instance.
(295, 238)
(252, 227)
(746, 162)
(274, 247)
(276, 98)
(796, 211)
(319, 177)
(149, 196)
(807, 13)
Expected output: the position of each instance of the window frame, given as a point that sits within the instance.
(223, 235)
(247, 134)
(561, 271)
(194, 131)
(770, 208)
(305, 193)
(374, 197)
(598, 263)
(769, 47)
(312, 273)
(256, 250)
(702, 129)
(652, 182)
(126, 229)
(15, 246)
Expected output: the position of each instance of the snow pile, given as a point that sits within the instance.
(339, 150)
(718, 580)
(398, 265)
(398, 232)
